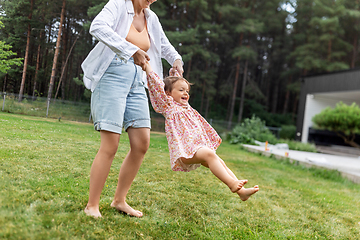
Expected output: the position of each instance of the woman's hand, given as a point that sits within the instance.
(141, 58)
(177, 66)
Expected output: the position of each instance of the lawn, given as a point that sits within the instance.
(44, 171)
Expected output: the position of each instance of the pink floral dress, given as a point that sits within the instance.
(186, 130)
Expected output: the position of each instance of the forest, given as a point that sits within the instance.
(245, 57)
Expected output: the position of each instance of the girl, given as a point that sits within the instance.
(192, 141)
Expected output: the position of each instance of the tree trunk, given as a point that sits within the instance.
(37, 65)
(233, 98)
(287, 96)
(202, 97)
(349, 140)
(5, 78)
(355, 52)
(64, 66)
(188, 69)
(203, 91)
(45, 83)
(295, 107)
(207, 106)
(57, 48)
(242, 100)
(286, 102)
(329, 48)
(275, 97)
(22, 86)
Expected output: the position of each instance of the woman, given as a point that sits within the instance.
(129, 35)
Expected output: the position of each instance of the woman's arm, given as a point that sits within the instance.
(170, 54)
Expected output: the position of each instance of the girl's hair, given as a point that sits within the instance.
(171, 80)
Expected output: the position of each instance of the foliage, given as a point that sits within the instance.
(44, 171)
(271, 119)
(280, 41)
(344, 120)
(321, 50)
(6, 62)
(299, 146)
(249, 130)
(287, 132)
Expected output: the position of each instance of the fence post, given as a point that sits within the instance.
(4, 101)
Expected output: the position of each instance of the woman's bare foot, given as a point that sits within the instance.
(245, 193)
(93, 212)
(237, 185)
(125, 208)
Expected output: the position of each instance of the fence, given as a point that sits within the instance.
(80, 111)
(61, 109)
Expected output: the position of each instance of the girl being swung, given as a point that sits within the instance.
(192, 141)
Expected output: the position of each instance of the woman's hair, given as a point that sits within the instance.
(171, 80)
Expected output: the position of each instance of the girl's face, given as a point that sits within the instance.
(180, 92)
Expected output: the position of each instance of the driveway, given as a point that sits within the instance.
(349, 167)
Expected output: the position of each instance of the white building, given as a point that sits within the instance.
(325, 90)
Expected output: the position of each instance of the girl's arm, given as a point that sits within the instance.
(159, 99)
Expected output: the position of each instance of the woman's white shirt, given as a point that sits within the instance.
(111, 27)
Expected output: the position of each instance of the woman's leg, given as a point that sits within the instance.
(208, 158)
(100, 170)
(139, 144)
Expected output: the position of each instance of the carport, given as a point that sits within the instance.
(325, 90)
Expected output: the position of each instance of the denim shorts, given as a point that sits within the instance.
(119, 99)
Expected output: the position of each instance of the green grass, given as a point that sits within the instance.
(44, 171)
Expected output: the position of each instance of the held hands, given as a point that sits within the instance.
(177, 68)
(174, 72)
(141, 58)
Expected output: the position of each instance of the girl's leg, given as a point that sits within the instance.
(244, 193)
(209, 158)
(100, 170)
(139, 144)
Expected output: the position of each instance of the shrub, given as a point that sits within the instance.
(344, 120)
(299, 146)
(251, 129)
(287, 132)
(271, 119)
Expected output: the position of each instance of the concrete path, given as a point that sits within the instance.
(349, 167)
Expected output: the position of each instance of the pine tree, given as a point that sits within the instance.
(324, 47)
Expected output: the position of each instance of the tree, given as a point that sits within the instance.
(26, 52)
(56, 54)
(244, 56)
(344, 120)
(323, 46)
(351, 24)
(5, 53)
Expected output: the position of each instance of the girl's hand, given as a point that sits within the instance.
(174, 73)
(141, 58)
(177, 66)
(148, 68)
